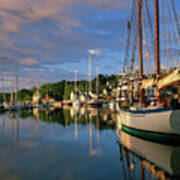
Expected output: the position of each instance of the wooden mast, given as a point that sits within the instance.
(140, 40)
(140, 47)
(157, 59)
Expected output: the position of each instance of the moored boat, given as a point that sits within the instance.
(158, 124)
(154, 122)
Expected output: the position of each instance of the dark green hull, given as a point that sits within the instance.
(153, 136)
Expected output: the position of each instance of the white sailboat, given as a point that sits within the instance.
(153, 122)
(76, 101)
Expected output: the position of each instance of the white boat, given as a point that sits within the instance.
(156, 124)
(165, 157)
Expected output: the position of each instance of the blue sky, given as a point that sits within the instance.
(49, 39)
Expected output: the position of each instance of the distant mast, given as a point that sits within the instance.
(157, 60)
(90, 72)
(97, 82)
(75, 83)
(16, 82)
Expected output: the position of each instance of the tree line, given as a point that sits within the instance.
(62, 89)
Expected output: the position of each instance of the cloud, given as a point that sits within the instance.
(28, 62)
(36, 33)
(109, 5)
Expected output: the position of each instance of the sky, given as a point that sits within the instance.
(49, 39)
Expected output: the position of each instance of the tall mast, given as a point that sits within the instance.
(140, 39)
(156, 11)
(140, 48)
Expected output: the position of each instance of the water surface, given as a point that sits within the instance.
(64, 144)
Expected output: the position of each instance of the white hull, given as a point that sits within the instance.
(159, 122)
(163, 156)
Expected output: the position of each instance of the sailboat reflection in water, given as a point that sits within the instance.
(156, 160)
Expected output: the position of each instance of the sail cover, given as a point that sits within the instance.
(148, 83)
(169, 79)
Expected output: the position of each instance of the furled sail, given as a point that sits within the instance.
(169, 79)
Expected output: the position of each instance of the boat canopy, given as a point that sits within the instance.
(171, 78)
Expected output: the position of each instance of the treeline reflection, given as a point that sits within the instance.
(66, 117)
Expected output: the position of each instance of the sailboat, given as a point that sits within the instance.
(14, 104)
(36, 98)
(76, 101)
(153, 122)
(92, 99)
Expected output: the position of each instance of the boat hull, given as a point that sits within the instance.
(165, 123)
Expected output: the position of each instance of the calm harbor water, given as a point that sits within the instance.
(81, 144)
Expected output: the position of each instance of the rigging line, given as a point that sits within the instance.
(129, 33)
(171, 36)
(175, 37)
(168, 34)
(145, 44)
(150, 23)
(134, 44)
(133, 55)
(176, 17)
(164, 33)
